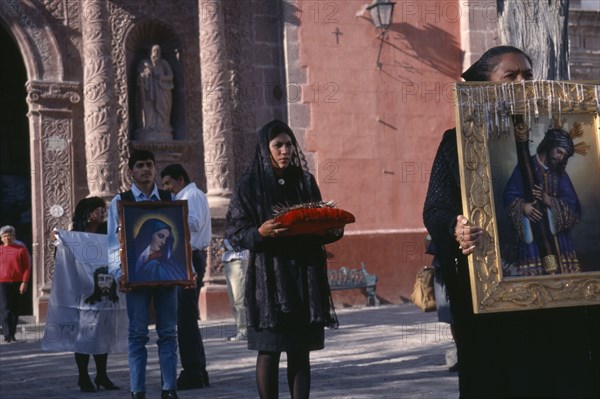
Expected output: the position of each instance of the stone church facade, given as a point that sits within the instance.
(78, 63)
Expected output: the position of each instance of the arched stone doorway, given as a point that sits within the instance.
(15, 169)
(48, 111)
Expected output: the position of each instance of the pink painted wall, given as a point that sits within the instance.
(374, 132)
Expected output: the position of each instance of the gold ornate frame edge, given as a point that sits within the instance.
(490, 292)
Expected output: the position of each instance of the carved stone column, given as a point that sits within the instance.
(51, 108)
(240, 55)
(218, 148)
(99, 101)
(216, 113)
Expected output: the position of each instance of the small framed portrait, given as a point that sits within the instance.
(155, 243)
(529, 156)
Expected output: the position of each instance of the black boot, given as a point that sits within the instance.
(104, 381)
(85, 384)
(170, 394)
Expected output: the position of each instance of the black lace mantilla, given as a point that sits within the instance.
(285, 274)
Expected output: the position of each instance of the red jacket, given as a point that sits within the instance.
(14, 264)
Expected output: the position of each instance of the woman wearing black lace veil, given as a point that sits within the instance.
(287, 294)
(550, 353)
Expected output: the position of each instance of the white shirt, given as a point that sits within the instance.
(198, 216)
(114, 257)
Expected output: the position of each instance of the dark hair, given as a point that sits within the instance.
(557, 137)
(97, 294)
(481, 70)
(273, 129)
(83, 210)
(277, 128)
(139, 155)
(176, 171)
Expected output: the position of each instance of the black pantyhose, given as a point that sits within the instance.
(267, 370)
(298, 373)
(82, 361)
(101, 364)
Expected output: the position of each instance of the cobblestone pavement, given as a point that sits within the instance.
(390, 352)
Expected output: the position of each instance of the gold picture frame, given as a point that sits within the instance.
(487, 116)
(155, 243)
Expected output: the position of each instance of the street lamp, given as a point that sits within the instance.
(381, 13)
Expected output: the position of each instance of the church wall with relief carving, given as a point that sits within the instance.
(85, 61)
(135, 27)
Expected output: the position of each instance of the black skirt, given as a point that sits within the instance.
(292, 333)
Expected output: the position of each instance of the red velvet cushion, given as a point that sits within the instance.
(313, 220)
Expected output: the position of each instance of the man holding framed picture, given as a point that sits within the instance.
(142, 170)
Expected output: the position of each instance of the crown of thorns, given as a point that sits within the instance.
(576, 131)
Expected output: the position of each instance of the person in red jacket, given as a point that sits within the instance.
(14, 275)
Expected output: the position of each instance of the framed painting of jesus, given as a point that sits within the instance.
(529, 158)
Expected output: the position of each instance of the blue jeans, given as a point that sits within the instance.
(235, 275)
(165, 307)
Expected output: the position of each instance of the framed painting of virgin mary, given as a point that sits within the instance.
(156, 239)
(529, 155)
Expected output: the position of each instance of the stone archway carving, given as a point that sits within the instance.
(52, 104)
(38, 45)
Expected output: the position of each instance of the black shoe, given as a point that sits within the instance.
(12, 338)
(138, 395)
(106, 383)
(8, 339)
(85, 384)
(192, 381)
(170, 394)
(188, 383)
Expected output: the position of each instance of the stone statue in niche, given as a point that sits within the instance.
(154, 97)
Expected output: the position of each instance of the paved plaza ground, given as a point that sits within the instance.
(390, 352)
